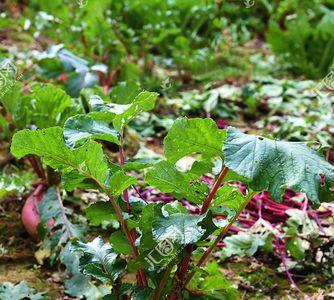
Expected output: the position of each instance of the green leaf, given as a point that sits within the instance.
(165, 177)
(15, 183)
(143, 293)
(124, 91)
(85, 162)
(165, 229)
(80, 128)
(120, 243)
(17, 104)
(231, 197)
(181, 228)
(120, 182)
(136, 164)
(4, 125)
(145, 101)
(149, 213)
(120, 114)
(193, 135)
(295, 245)
(275, 165)
(213, 284)
(99, 212)
(98, 260)
(78, 284)
(50, 209)
(201, 167)
(245, 243)
(52, 106)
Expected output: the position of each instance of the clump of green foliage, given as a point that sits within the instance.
(156, 241)
(304, 39)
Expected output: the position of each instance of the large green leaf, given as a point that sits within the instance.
(98, 260)
(295, 245)
(78, 129)
(245, 243)
(213, 284)
(120, 243)
(193, 135)
(122, 114)
(148, 214)
(78, 284)
(166, 229)
(144, 101)
(125, 91)
(85, 162)
(165, 177)
(275, 165)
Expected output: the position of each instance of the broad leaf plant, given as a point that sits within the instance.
(164, 245)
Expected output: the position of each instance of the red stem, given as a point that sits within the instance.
(214, 190)
(121, 163)
(208, 251)
(283, 259)
(36, 166)
(141, 276)
(182, 270)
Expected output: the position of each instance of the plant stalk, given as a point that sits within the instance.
(218, 238)
(121, 163)
(182, 270)
(141, 276)
(36, 166)
(158, 291)
(214, 190)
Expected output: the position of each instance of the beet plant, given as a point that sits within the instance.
(164, 245)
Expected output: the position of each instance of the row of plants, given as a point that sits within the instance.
(145, 41)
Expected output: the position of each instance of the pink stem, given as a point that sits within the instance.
(283, 259)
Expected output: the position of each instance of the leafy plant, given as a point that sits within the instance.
(306, 47)
(13, 181)
(58, 62)
(158, 237)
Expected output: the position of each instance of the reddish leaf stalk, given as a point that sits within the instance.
(214, 190)
(215, 243)
(121, 163)
(182, 270)
(36, 166)
(158, 292)
(141, 277)
(282, 254)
